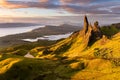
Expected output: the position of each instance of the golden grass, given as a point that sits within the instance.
(86, 66)
(99, 64)
(75, 65)
(7, 64)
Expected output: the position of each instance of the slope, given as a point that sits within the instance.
(85, 55)
(78, 41)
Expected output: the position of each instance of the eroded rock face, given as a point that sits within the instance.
(79, 40)
(90, 33)
(86, 24)
(96, 30)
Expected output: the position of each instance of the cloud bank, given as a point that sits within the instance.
(72, 6)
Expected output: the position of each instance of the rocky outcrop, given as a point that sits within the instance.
(86, 24)
(104, 40)
(90, 33)
(96, 30)
(78, 41)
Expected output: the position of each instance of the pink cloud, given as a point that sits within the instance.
(6, 4)
(44, 1)
(72, 6)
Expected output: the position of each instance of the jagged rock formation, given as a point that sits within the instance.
(96, 30)
(86, 24)
(79, 40)
(90, 33)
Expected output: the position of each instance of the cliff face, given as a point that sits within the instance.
(86, 24)
(90, 33)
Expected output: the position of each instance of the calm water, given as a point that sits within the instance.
(49, 37)
(16, 30)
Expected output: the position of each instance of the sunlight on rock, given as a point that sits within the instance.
(28, 55)
(75, 65)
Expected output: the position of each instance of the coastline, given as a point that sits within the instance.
(18, 30)
(16, 39)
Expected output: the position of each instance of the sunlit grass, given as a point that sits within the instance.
(67, 59)
(7, 64)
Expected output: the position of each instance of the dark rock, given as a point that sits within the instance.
(90, 33)
(96, 30)
(86, 24)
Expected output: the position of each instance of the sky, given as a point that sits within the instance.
(59, 11)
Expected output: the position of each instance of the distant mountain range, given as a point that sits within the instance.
(13, 25)
(39, 32)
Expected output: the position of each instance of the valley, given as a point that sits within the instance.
(16, 39)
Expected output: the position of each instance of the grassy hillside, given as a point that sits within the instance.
(98, 62)
(23, 49)
(88, 54)
(19, 68)
(110, 30)
(102, 60)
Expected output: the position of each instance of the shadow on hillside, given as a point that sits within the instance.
(37, 69)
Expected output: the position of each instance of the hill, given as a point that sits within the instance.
(87, 54)
(14, 25)
(47, 30)
(111, 29)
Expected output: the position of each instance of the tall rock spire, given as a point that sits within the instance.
(90, 33)
(86, 24)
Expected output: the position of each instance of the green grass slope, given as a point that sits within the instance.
(101, 58)
(111, 30)
(98, 62)
(18, 68)
(82, 56)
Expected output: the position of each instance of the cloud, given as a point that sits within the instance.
(84, 1)
(92, 7)
(47, 4)
(81, 2)
(116, 9)
(72, 6)
(6, 4)
(44, 1)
